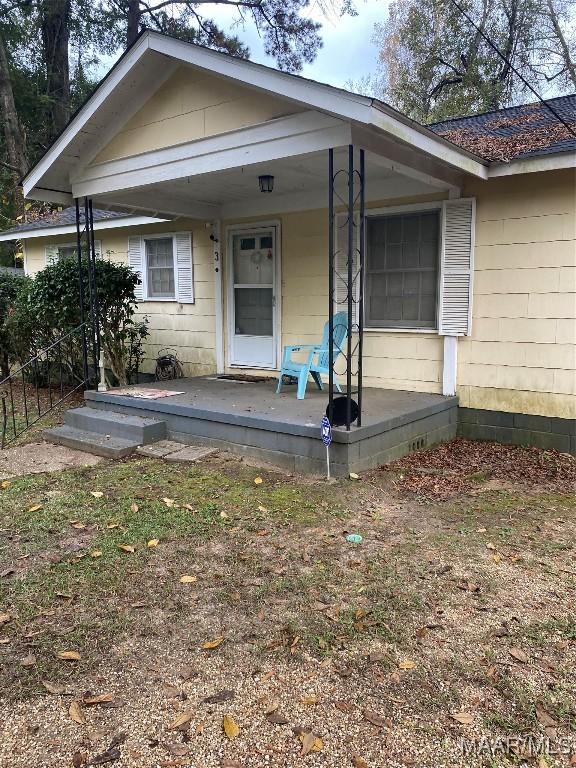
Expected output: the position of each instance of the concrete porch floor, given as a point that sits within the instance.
(248, 417)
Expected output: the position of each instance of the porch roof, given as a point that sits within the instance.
(332, 117)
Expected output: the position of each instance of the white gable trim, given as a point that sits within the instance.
(340, 103)
(283, 137)
(119, 223)
(537, 164)
(132, 56)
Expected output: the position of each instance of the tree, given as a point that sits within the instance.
(436, 64)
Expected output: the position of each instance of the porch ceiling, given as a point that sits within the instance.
(300, 183)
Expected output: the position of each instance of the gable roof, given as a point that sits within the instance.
(514, 133)
(64, 222)
(147, 64)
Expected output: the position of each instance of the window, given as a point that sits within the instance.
(402, 268)
(160, 267)
(54, 253)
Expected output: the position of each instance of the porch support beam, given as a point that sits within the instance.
(285, 137)
(156, 203)
(406, 160)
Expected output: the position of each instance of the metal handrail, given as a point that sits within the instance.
(34, 412)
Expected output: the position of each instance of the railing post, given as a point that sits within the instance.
(360, 277)
(81, 292)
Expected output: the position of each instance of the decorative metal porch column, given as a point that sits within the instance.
(346, 275)
(88, 299)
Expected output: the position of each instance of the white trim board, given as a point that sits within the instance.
(68, 229)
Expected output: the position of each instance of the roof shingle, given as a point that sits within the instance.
(65, 218)
(514, 133)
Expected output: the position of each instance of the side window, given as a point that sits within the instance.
(160, 268)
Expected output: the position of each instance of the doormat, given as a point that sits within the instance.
(244, 377)
(143, 393)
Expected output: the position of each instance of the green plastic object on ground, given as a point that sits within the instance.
(354, 538)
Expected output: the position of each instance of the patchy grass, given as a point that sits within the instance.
(422, 621)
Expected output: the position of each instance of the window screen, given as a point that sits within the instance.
(160, 268)
(67, 252)
(402, 270)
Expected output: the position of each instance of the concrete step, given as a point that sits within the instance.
(110, 446)
(141, 430)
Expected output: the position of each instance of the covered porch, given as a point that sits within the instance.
(248, 418)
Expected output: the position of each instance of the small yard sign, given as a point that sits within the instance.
(326, 435)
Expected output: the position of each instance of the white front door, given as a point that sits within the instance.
(252, 297)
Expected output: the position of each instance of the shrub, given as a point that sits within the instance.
(54, 308)
(14, 290)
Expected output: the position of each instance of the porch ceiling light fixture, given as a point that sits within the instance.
(266, 183)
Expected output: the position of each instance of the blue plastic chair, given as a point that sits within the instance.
(316, 362)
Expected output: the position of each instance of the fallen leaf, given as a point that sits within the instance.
(519, 655)
(5, 484)
(153, 543)
(78, 526)
(68, 656)
(112, 525)
(134, 507)
(230, 726)
(76, 713)
(35, 508)
(219, 697)
(109, 756)
(97, 494)
(54, 688)
(277, 718)
(126, 547)
(96, 553)
(359, 762)
(209, 645)
(354, 476)
(310, 743)
(102, 698)
(344, 706)
(28, 661)
(231, 764)
(178, 749)
(79, 759)
(308, 700)
(545, 718)
(462, 717)
(168, 502)
(181, 722)
(186, 579)
(491, 546)
(407, 664)
(374, 718)
(262, 509)
(4, 618)
(258, 481)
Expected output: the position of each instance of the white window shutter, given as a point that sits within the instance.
(51, 254)
(136, 263)
(184, 267)
(341, 265)
(457, 267)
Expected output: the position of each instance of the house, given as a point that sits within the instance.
(460, 240)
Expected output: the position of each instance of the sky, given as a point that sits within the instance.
(348, 52)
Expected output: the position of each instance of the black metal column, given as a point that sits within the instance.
(346, 285)
(331, 225)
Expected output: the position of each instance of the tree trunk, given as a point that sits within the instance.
(567, 60)
(134, 14)
(14, 136)
(55, 24)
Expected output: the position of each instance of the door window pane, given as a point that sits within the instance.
(252, 265)
(160, 268)
(401, 284)
(253, 311)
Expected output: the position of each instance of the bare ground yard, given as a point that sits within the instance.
(210, 620)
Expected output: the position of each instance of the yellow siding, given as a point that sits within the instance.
(521, 356)
(192, 105)
(522, 353)
(188, 328)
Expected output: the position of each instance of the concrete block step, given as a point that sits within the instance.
(110, 446)
(140, 429)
